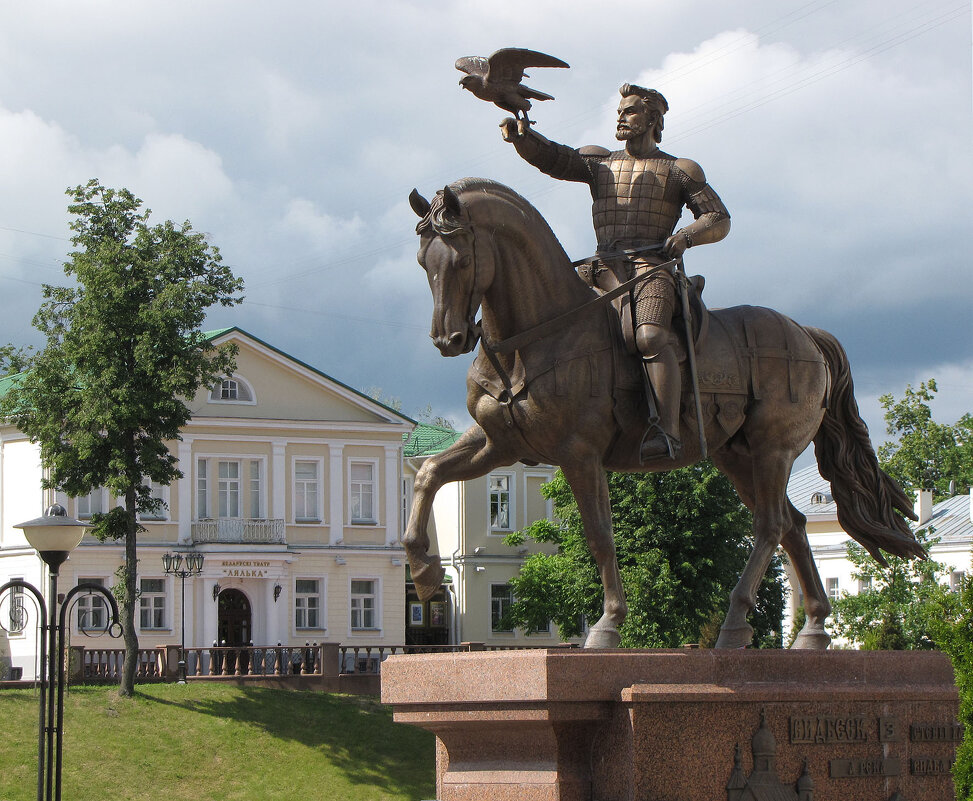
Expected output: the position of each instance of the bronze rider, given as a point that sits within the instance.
(639, 194)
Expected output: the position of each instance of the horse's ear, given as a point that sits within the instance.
(419, 204)
(451, 202)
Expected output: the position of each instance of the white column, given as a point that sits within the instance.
(184, 490)
(210, 613)
(393, 495)
(278, 481)
(336, 479)
(270, 635)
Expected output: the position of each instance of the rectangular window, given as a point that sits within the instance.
(92, 609)
(307, 603)
(91, 504)
(152, 603)
(202, 500)
(363, 604)
(307, 492)
(362, 492)
(956, 579)
(406, 502)
(255, 511)
(501, 599)
(500, 502)
(831, 585)
(157, 493)
(228, 489)
(864, 584)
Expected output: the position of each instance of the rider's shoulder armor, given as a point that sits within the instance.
(692, 170)
(594, 150)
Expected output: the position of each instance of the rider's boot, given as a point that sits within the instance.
(662, 374)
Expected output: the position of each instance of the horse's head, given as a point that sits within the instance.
(457, 277)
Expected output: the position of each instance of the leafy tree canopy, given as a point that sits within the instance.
(951, 620)
(14, 359)
(892, 610)
(123, 347)
(682, 540)
(925, 454)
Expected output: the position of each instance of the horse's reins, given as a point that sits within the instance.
(518, 341)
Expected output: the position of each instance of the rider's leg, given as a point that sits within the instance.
(662, 371)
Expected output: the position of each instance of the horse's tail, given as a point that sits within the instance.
(872, 507)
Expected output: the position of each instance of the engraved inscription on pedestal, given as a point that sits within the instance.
(888, 730)
(819, 729)
(936, 732)
(863, 768)
(931, 766)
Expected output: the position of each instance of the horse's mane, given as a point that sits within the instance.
(445, 225)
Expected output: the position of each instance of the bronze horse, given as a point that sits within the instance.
(572, 398)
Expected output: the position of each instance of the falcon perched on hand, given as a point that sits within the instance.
(498, 78)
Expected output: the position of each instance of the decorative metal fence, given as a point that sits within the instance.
(239, 531)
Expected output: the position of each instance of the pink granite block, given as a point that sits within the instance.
(665, 725)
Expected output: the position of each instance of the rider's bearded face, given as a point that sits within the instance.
(634, 118)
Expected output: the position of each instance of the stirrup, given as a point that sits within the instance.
(673, 447)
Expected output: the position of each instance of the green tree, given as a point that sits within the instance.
(894, 609)
(123, 350)
(925, 454)
(14, 359)
(952, 628)
(682, 539)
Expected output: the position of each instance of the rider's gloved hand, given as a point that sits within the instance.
(676, 245)
(511, 129)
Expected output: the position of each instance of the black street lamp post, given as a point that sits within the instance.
(54, 536)
(172, 564)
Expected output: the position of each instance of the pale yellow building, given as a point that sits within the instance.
(292, 491)
(469, 522)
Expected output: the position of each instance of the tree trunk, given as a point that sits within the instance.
(127, 687)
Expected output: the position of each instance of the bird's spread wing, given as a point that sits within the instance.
(509, 63)
(473, 65)
(533, 94)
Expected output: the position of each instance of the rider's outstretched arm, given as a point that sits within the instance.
(558, 161)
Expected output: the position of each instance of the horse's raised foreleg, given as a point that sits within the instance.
(817, 607)
(590, 487)
(469, 457)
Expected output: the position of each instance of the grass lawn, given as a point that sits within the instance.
(206, 741)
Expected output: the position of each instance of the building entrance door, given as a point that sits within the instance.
(234, 624)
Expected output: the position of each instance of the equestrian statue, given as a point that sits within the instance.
(614, 363)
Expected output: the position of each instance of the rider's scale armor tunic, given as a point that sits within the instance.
(637, 202)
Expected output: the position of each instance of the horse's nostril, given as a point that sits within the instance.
(456, 339)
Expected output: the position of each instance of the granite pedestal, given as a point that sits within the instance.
(687, 725)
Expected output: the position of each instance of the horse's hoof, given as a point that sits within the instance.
(602, 638)
(428, 577)
(739, 637)
(814, 640)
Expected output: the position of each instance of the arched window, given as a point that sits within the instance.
(232, 389)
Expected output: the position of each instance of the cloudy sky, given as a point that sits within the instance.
(838, 133)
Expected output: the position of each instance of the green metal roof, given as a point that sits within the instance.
(8, 382)
(427, 439)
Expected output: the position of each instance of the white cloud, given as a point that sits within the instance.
(325, 232)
